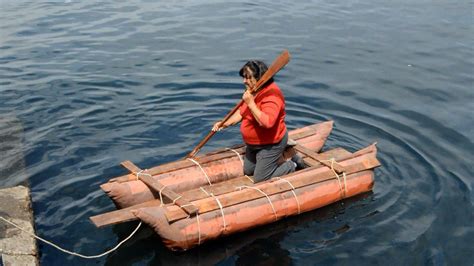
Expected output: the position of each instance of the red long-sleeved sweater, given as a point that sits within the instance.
(271, 102)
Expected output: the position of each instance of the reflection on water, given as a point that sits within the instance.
(84, 86)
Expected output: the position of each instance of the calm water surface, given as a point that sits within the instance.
(85, 85)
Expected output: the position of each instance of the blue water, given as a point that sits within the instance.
(85, 85)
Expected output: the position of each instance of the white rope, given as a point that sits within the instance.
(161, 196)
(268, 198)
(197, 219)
(218, 203)
(293, 191)
(343, 191)
(199, 228)
(137, 174)
(222, 211)
(70, 252)
(238, 155)
(251, 180)
(204, 191)
(204, 172)
(177, 198)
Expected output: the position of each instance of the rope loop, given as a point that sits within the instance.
(141, 172)
(293, 191)
(200, 167)
(238, 155)
(268, 198)
(222, 211)
(343, 191)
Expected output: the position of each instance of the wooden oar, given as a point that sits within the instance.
(278, 64)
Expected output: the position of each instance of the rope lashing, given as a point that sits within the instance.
(137, 174)
(177, 198)
(218, 203)
(268, 198)
(200, 167)
(343, 191)
(238, 155)
(70, 252)
(161, 196)
(197, 220)
(293, 191)
(222, 210)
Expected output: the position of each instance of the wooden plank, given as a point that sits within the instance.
(313, 155)
(131, 167)
(276, 186)
(122, 215)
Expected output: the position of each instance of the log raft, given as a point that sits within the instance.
(189, 202)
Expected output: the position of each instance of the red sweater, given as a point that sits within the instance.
(271, 102)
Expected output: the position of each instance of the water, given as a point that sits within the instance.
(85, 85)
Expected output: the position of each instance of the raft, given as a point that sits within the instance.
(195, 200)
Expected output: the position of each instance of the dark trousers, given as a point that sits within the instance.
(261, 161)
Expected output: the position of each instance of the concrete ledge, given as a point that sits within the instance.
(16, 246)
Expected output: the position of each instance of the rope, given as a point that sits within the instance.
(207, 193)
(238, 155)
(197, 219)
(177, 198)
(161, 196)
(199, 228)
(70, 252)
(222, 211)
(251, 180)
(293, 191)
(141, 173)
(204, 172)
(218, 203)
(268, 198)
(343, 191)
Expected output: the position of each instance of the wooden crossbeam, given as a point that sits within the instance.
(315, 156)
(160, 188)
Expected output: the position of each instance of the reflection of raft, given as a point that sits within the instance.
(189, 202)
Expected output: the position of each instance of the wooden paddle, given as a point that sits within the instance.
(278, 64)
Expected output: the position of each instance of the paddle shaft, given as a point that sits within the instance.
(278, 64)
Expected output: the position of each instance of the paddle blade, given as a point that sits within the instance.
(276, 66)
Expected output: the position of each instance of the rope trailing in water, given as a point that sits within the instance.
(70, 252)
